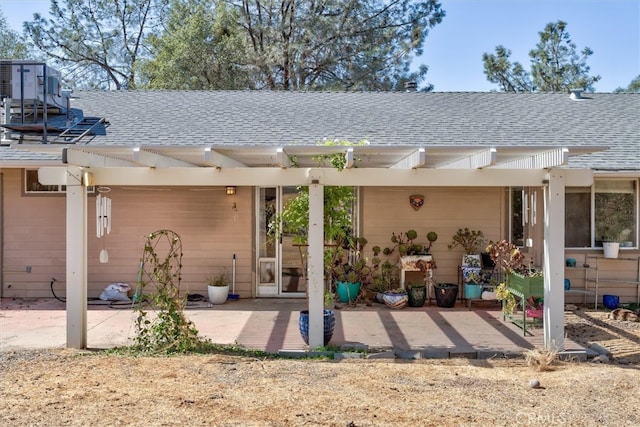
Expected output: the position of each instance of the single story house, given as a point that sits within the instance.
(215, 166)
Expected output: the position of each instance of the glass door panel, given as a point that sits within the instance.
(293, 256)
(267, 274)
(280, 264)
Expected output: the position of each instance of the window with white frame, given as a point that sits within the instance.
(32, 186)
(607, 211)
(523, 215)
(516, 225)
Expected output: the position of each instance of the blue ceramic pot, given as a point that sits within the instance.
(329, 325)
(347, 291)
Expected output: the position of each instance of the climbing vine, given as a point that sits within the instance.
(161, 326)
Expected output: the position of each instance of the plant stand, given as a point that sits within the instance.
(523, 287)
(408, 263)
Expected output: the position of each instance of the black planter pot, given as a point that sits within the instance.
(446, 294)
(417, 295)
(329, 325)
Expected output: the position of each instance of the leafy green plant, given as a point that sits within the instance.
(343, 259)
(385, 276)
(329, 299)
(406, 244)
(471, 241)
(220, 279)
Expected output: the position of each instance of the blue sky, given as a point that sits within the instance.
(453, 50)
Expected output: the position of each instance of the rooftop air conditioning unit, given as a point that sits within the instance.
(30, 82)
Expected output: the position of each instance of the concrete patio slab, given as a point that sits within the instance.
(271, 325)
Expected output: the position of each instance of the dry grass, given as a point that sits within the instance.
(65, 387)
(541, 359)
(78, 388)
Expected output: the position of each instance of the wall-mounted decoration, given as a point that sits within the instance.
(416, 201)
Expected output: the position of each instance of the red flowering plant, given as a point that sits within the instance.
(508, 258)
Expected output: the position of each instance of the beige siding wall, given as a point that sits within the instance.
(387, 210)
(210, 229)
(34, 234)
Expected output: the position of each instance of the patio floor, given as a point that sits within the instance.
(271, 325)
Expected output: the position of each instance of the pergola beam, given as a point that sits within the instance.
(145, 157)
(414, 160)
(282, 158)
(86, 159)
(543, 160)
(349, 158)
(213, 158)
(479, 160)
(299, 176)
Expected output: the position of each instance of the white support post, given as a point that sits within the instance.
(554, 261)
(76, 260)
(315, 264)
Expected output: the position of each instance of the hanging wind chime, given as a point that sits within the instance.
(103, 220)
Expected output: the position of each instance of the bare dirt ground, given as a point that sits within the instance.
(64, 387)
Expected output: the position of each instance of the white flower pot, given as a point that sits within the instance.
(611, 249)
(218, 294)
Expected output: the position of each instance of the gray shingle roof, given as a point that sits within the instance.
(385, 118)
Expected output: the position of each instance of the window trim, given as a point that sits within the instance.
(636, 194)
(592, 230)
(61, 189)
(592, 225)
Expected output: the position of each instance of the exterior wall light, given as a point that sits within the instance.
(231, 190)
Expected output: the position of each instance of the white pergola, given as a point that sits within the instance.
(367, 165)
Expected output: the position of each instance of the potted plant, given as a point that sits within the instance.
(612, 235)
(410, 252)
(385, 275)
(218, 287)
(446, 294)
(471, 241)
(347, 268)
(417, 293)
(473, 283)
(407, 246)
(329, 323)
(396, 298)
